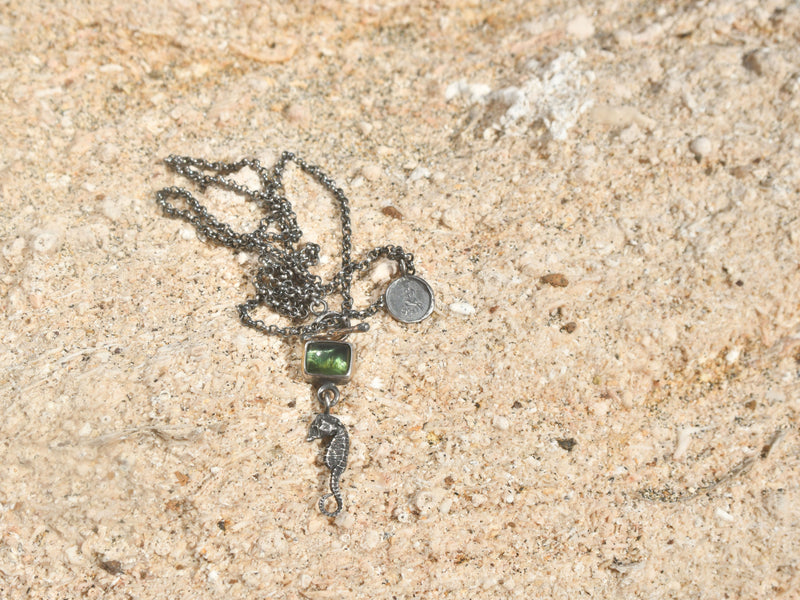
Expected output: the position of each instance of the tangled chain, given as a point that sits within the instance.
(283, 281)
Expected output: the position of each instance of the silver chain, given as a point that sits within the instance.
(283, 281)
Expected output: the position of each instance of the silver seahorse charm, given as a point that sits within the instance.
(328, 426)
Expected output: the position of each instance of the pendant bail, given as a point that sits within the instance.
(328, 395)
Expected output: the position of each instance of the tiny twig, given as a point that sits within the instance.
(164, 434)
(741, 468)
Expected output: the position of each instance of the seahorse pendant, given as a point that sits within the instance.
(327, 426)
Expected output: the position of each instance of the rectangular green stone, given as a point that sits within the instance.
(328, 360)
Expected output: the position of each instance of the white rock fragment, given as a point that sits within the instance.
(297, 114)
(554, 96)
(630, 134)
(600, 408)
(371, 540)
(383, 272)
(723, 515)
(44, 241)
(732, 356)
(700, 147)
(15, 248)
(478, 499)
(112, 209)
(684, 439)
(462, 308)
(109, 152)
(624, 38)
(446, 506)
(452, 218)
(345, 520)
(500, 422)
(425, 501)
(476, 92)
(401, 515)
(371, 172)
(419, 173)
(365, 128)
(581, 27)
(621, 116)
(110, 68)
(73, 556)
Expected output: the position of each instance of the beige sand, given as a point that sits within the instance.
(631, 434)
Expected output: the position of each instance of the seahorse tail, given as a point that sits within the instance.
(339, 504)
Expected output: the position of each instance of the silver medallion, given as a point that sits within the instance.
(409, 299)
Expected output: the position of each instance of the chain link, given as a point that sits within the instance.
(283, 281)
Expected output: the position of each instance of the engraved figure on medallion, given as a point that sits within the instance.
(412, 304)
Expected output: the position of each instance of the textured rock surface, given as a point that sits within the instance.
(632, 433)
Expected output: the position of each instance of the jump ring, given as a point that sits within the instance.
(328, 395)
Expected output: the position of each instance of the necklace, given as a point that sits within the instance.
(284, 283)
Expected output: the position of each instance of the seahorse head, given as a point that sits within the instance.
(323, 426)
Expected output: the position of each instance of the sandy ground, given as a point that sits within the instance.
(604, 404)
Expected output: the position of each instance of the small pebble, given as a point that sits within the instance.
(419, 173)
(476, 91)
(452, 218)
(36, 301)
(401, 515)
(298, 114)
(555, 279)
(371, 172)
(581, 27)
(624, 38)
(425, 502)
(684, 439)
(700, 147)
(462, 308)
(755, 61)
(16, 247)
(724, 515)
(630, 134)
(73, 556)
(365, 128)
(445, 506)
(44, 242)
(391, 211)
(345, 520)
(371, 540)
(112, 209)
(732, 356)
(569, 327)
(567, 444)
(109, 152)
(383, 271)
(501, 423)
(478, 499)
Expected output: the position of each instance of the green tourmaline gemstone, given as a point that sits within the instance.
(328, 359)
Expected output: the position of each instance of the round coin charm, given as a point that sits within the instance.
(409, 299)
